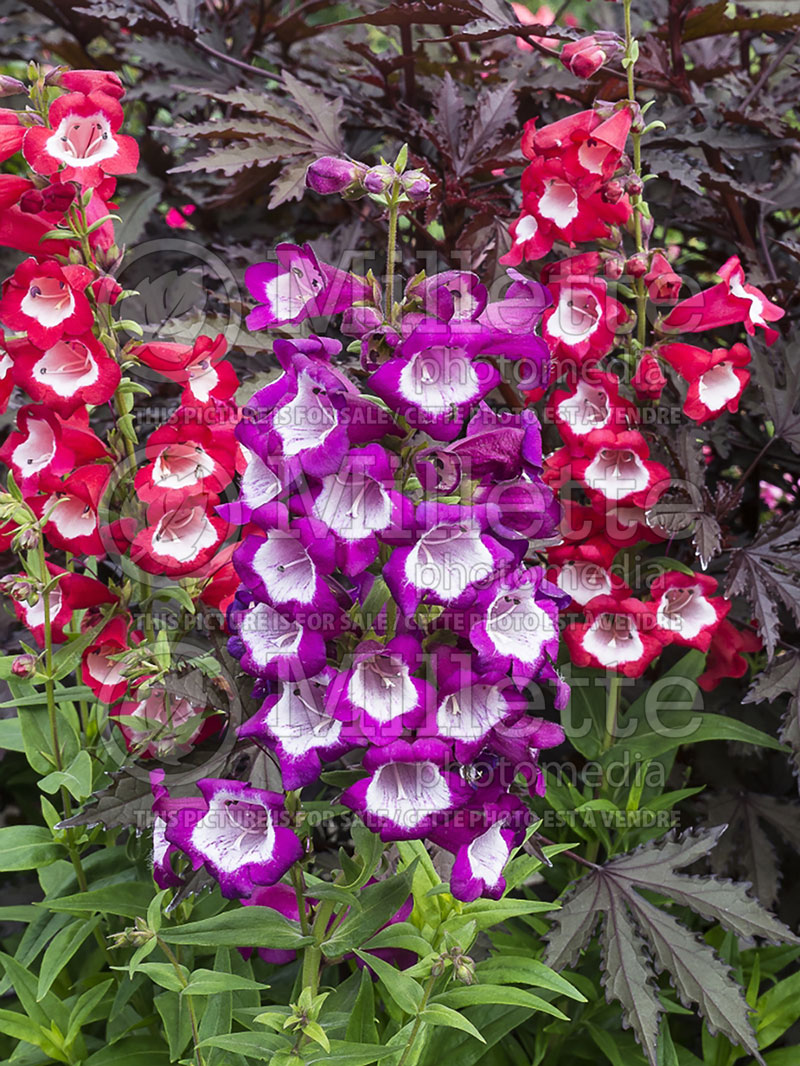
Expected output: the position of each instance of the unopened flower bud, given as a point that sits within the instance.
(15, 588)
(59, 196)
(634, 186)
(332, 175)
(379, 180)
(361, 321)
(613, 265)
(31, 202)
(637, 265)
(648, 381)
(585, 57)
(10, 86)
(416, 185)
(27, 539)
(24, 666)
(464, 969)
(439, 965)
(613, 191)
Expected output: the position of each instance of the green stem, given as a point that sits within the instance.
(192, 1015)
(636, 201)
(418, 1020)
(391, 251)
(612, 710)
(312, 954)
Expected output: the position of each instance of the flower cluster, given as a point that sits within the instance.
(79, 492)
(386, 606)
(575, 190)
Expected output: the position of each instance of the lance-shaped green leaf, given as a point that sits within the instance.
(639, 939)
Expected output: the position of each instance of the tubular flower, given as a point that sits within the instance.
(686, 610)
(237, 838)
(618, 634)
(592, 403)
(71, 508)
(47, 301)
(73, 372)
(181, 536)
(716, 379)
(45, 443)
(102, 669)
(617, 469)
(83, 143)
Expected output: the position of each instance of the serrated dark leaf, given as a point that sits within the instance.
(781, 396)
(707, 538)
(782, 677)
(768, 572)
(613, 891)
(128, 802)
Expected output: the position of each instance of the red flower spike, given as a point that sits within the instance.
(47, 301)
(716, 379)
(83, 143)
(686, 609)
(74, 372)
(725, 304)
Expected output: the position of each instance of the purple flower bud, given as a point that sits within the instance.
(10, 86)
(332, 175)
(24, 666)
(416, 185)
(379, 180)
(634, 186)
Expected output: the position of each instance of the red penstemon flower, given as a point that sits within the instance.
(72, 592)
(716, 379)
(47, 301)
(83, 143)
(618, 634)
(45, 443)
(686, 609)
(181, 536)
(73, 372)
(186, 459)
(199, 367)
(71, 507)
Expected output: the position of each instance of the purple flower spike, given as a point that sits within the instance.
(519, 624)
(297, 726)
(298, 286)
(408, 792)
(237, 838)
(451, 554)
(379, 693)
(434, 379)
(275, 644)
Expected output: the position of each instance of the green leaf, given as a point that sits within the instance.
(60, 950)
(257, 927)
(131, 1051)
(77, 777)
(26, 847)
(400, 935)
(523, 970)
(488, 912)
(480, 994)
(361, 1027)
(84, 1007)
(438, 1014)
(343, 1053)
(177, 1021)
(208, 983)
(68, 657)
(20, 1027)
(163, 973)
(128, 900)
(404, 990)
(11, 735)
(315, 1032)
(379, 902)
(777, 1010)
(261, 1046)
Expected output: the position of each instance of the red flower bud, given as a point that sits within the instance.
(24, 666)
(585, 57)
(648, 381)
(634, 186)
(613, 191)
(636, 266)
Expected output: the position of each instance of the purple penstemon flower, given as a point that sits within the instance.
(518, 744)
(297, 286)
(356, 504)
(296, 724)
(482, 835)
(259, 486)
(237, 838)
(377, 691)
(515, 623)
(452, 552)
(521, 308)
(286, 566)
(434, 378)
(274, 643)
(452, 296)
(408, 790)
(471, 703)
